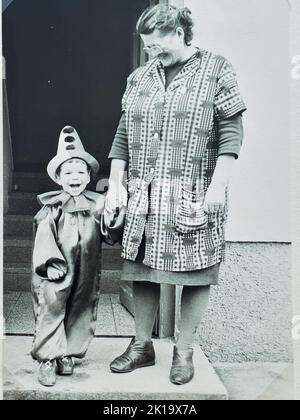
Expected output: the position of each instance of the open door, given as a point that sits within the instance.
(165, 320)
(67, 63)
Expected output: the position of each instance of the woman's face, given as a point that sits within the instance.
(168, 48)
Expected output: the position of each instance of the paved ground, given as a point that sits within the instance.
(257, 381)
(113, 318)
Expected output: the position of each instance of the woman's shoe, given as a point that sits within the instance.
(47, 373)
(182, 370)
(138, 354)
(65, 366)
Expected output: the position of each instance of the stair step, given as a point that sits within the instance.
(17, 265)
(16, 225)
(23, 203)
(24, 241)
(19, 250)
(40, 182)
(20, 227)
(17, 278)
(92, 379)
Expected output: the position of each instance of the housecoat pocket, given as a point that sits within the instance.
(190, 215)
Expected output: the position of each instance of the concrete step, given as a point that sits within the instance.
(16, 225)
(17, 279)
(40, 182)
(92, 379)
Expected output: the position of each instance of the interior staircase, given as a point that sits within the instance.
(18, 235)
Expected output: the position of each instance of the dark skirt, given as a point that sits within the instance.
(137, 271)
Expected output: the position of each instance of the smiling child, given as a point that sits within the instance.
(66, 256)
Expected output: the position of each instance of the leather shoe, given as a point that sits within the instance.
(182, 370)
(138, 354)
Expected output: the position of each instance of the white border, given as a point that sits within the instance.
(295, 159)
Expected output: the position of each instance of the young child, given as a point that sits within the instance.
(66, 257)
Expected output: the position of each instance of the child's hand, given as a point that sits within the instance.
(116, 197)
(54, 273)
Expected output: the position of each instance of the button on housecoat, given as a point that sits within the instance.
(173, 151)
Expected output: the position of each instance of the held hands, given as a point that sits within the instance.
(117, 197)
(215, 198)
(54, 273)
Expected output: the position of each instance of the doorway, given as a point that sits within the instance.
(66, 63)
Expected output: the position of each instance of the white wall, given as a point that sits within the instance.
(254, 36)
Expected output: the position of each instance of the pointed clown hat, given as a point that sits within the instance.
(70, 146)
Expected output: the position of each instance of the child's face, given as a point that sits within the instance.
(74, 176)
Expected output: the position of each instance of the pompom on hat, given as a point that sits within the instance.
(70, 146)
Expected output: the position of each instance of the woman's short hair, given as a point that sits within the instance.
(166, 19)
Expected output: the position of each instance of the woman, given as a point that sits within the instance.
(179, 134)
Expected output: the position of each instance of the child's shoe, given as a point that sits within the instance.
(65, 365)
(47, 373)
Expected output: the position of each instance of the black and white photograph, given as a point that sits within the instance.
(150, 236)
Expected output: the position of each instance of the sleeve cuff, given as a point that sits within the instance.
(41, 270)
(229, 113)
(231, 153)
(119, 156)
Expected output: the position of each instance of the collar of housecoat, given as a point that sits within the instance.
(84, 202)
(157, 72)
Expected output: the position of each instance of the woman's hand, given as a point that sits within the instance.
(215, 198)
(117, 196)
(216, 193)
(53, 273)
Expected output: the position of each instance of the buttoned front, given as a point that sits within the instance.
(173, 150)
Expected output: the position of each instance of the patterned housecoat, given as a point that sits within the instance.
(68, 237)
(173, 146)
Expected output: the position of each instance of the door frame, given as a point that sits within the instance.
(8, 159)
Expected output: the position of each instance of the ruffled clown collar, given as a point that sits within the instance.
(86, 201)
